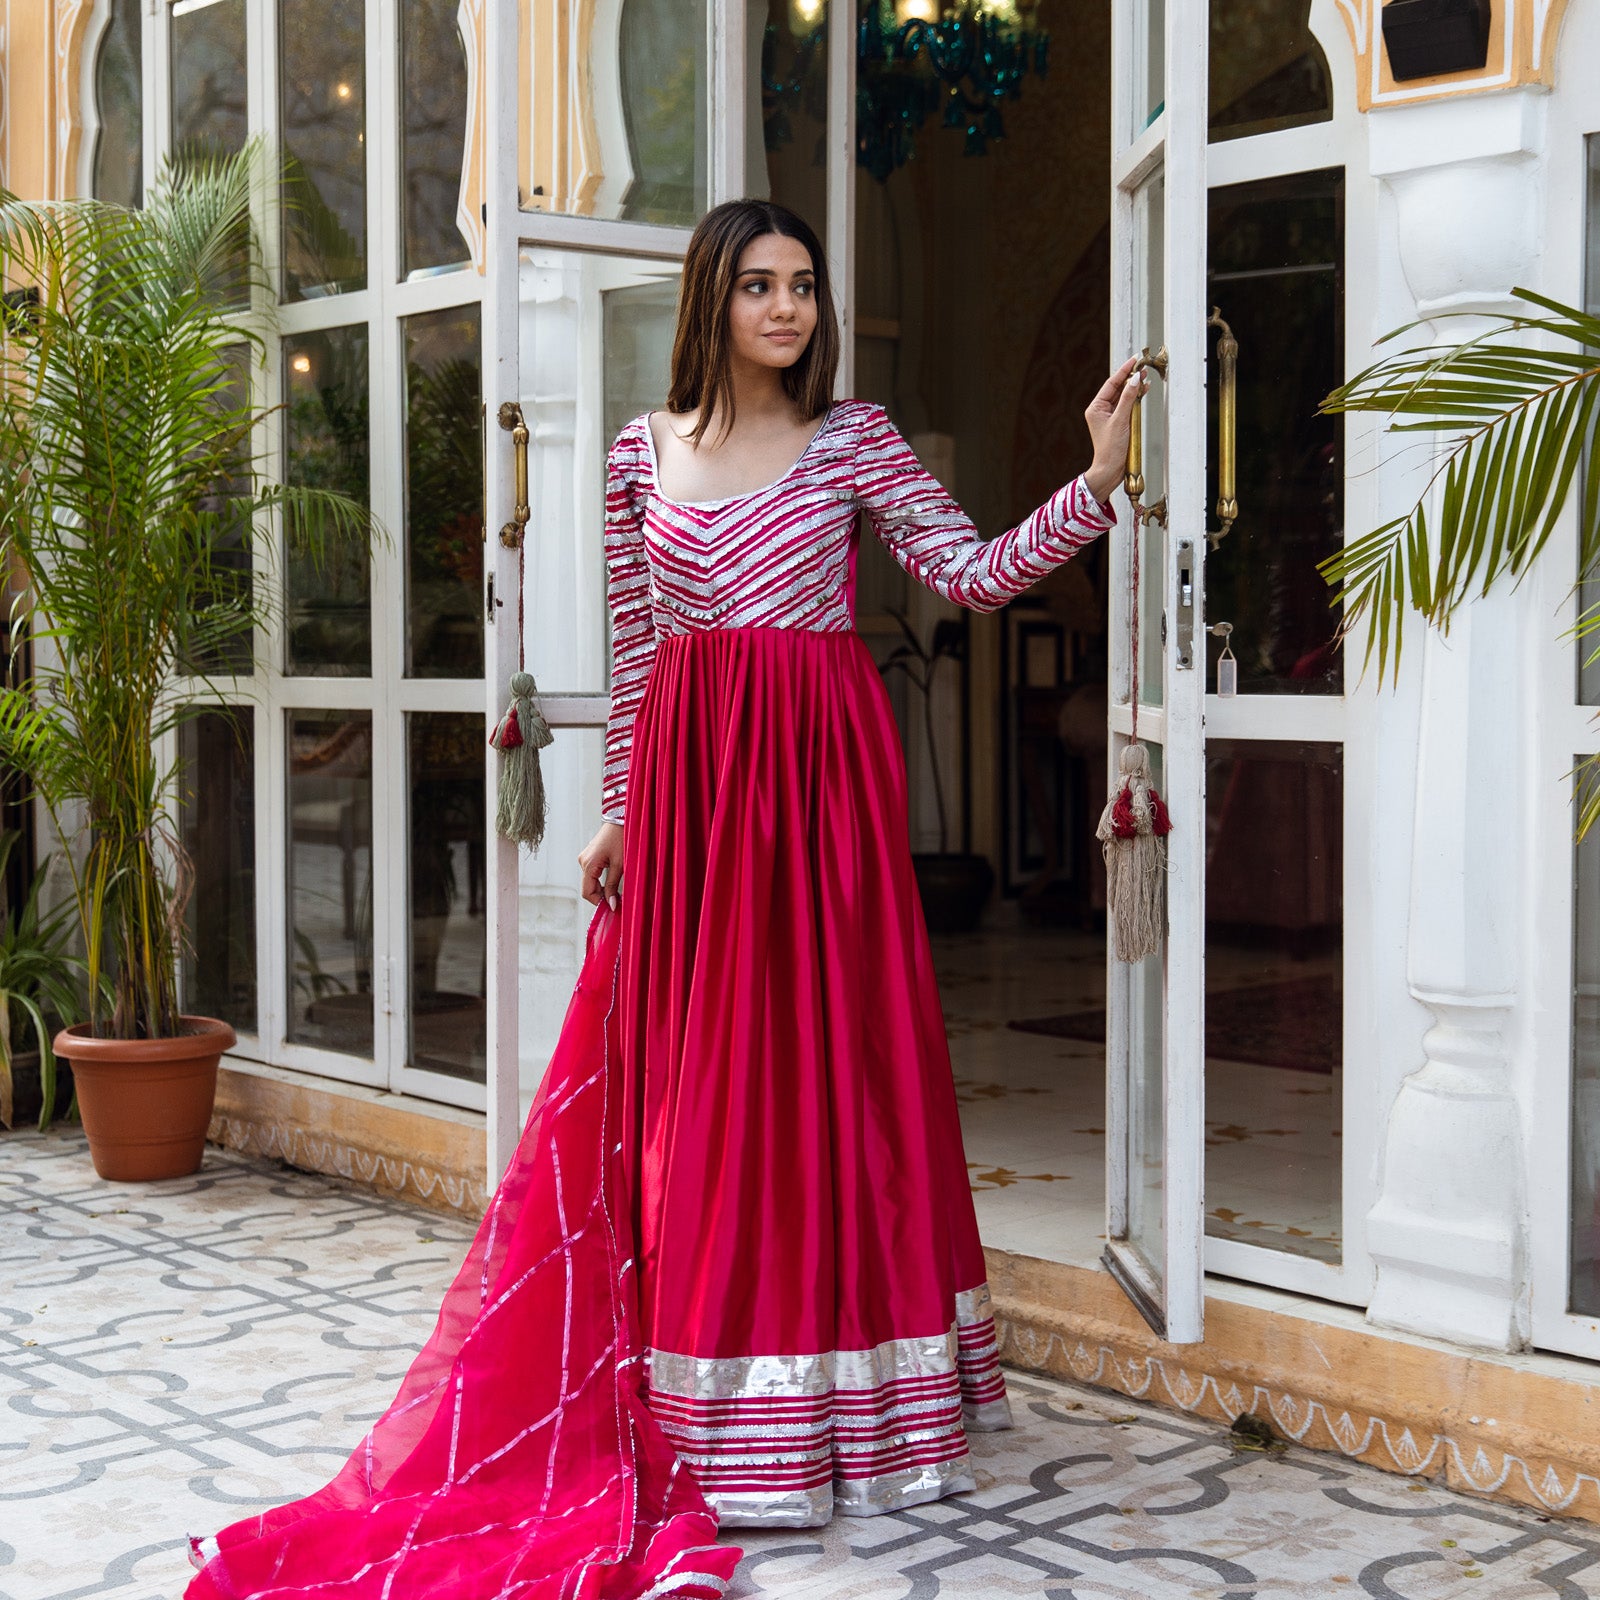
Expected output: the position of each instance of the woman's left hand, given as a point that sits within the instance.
(1110, 416)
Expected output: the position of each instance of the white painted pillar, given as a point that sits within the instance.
(1448, 1233)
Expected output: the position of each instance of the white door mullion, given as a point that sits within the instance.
(390, 864)
(155, 42)
(841, 147)
(501, 383)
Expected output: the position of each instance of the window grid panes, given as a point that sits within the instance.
(323, 108)
(117, 171)
(433, 135)
(444, 495)
(217, 816)
(329, 793)
(209, 101)
(327, 445)
(449, 989)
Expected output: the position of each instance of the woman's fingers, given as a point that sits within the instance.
(613, 881)
(1113, 389)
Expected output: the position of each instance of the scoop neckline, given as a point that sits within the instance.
(729, 499)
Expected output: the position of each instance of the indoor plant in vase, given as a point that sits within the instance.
(954, 884)
(133, 505)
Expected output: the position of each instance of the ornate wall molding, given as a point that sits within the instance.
(399, 1175)
(1522, 50)
(1465, 1462)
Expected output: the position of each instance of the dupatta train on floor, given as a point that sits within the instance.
(518, 1459)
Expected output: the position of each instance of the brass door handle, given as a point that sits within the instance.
(1227, 427)
(511, 419)
(1133, 482)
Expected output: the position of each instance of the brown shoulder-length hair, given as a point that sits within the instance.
(700, 375)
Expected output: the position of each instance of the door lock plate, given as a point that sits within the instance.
(1186, 601)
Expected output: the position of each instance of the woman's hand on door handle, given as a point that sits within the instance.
(601, 860)
(1110, 416)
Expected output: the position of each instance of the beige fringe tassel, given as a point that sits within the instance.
(1133, 834)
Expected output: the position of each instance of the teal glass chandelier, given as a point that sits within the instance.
(915, 59)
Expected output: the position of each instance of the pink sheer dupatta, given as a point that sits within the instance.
(517, 1459)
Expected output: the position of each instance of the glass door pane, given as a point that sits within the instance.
(1155, 1053)
(595, 344)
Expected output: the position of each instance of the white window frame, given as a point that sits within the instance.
(1562, 729)
(387, 695)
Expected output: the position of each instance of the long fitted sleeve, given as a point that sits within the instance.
(927, 532)
(633, 637)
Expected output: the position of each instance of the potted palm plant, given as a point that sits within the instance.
(954, 885)
(134, 503)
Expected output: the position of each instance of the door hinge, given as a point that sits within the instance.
(491, 604)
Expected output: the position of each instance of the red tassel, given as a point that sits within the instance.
(509, 734)
(1160, 822)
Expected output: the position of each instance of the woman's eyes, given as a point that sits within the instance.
(800, 288)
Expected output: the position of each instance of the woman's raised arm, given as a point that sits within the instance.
(928, 533)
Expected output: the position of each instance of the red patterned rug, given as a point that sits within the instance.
(1298, 1024)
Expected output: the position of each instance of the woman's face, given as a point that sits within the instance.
(774, 308)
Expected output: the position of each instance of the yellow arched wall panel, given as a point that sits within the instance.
(40, 72)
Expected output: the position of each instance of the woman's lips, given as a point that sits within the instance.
(788, 338)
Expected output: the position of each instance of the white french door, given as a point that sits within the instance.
(1155, 1008)
(594, 183)
(1238, 188)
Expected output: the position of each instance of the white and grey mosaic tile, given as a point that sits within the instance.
(174, 1355)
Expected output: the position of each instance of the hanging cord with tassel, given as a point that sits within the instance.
(1134, 825)
(519, 736)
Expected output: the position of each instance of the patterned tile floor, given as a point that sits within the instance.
(173, 1355)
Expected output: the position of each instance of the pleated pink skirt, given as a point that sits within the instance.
(811, 1286)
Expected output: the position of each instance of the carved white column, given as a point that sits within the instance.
(1448, 1233)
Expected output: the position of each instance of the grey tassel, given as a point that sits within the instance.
(519, 737)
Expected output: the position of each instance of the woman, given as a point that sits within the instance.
(733, 1271)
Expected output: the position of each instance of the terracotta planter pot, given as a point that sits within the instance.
(146, 1103)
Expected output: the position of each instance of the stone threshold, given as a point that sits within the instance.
(1524, 1428)
(417, 1150)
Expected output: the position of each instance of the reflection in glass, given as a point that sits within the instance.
(1147, 1065)
(1276, 271)
(231, 574)
(326, 446)
(619, 129)
(323, 103)
(444, 496)
(1267, 69)
(330, 880)
(448, 1009)
(1588, 646)
(118, 167)
(1150, 334)
(1155, 60)
(433, 134)
(1275, 994)
(1584, 1290)
(217, 816)
(209, 113)
(793, 102)
(638, 319)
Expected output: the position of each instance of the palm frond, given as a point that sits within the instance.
(1518, 405)
(141, 526)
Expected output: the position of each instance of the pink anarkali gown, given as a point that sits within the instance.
(733, 1272)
